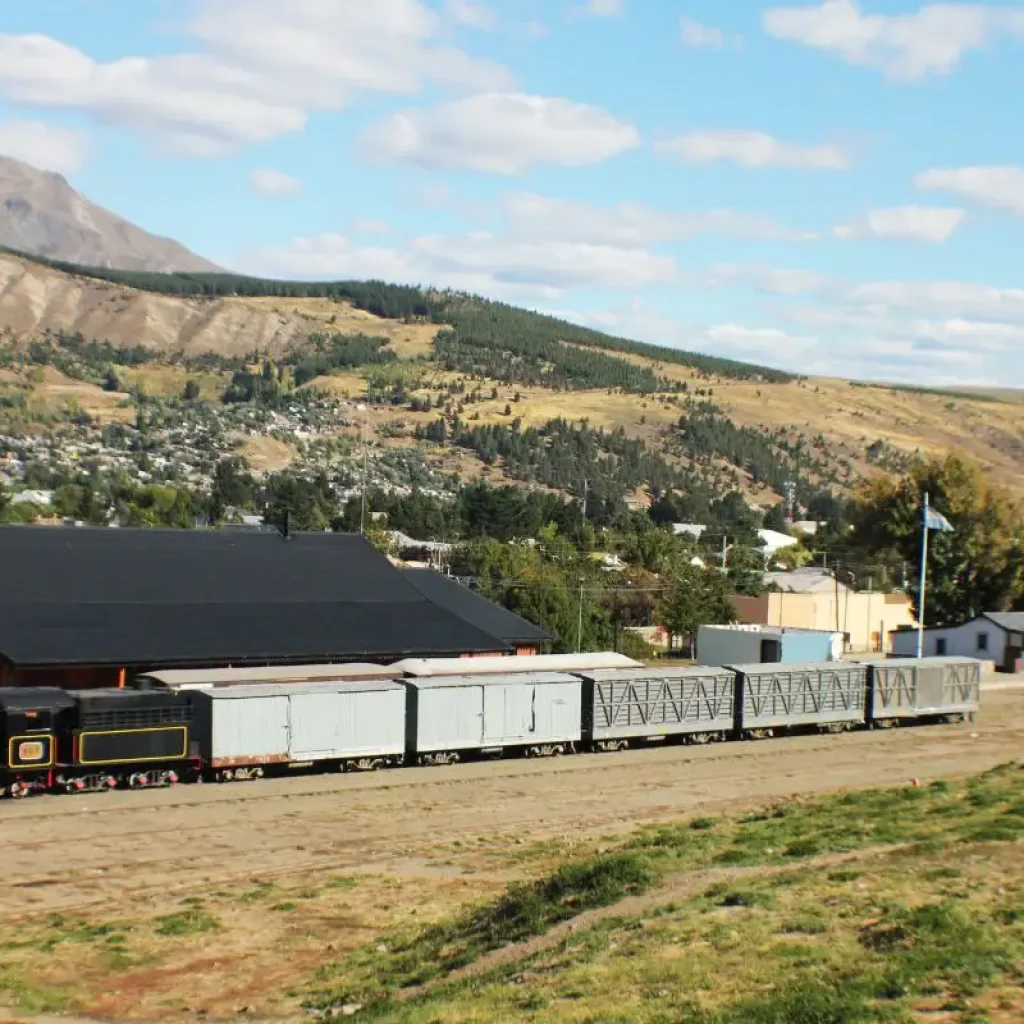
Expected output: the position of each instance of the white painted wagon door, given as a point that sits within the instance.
(314, 726)
(562, 701)
(496, 724)
(248, 730)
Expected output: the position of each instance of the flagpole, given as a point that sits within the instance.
(924, 584)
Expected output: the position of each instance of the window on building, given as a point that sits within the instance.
(983, 641)
(940, 646)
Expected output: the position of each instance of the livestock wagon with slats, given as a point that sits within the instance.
(621, 706)
(829, 695)
(902, 688)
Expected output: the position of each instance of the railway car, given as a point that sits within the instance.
(419, 668)
(112, 737)
(452, 717)
(923, 688)
(28, 737)
(203, 678)
(626, 706)
(830, 696)
(247, 729)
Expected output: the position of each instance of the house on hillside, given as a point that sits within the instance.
(772, 542)
(994, 636)
(810, 580)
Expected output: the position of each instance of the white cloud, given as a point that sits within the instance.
(470, 14)
(753, 149)
(934, 224)
(46, 146)
(771, 280)
(269, 182)
(1001, 188)
(500, 133)
(698, 35)
(371, 227)
(606, 8)
(556, 264)
(862, 304)
(631, 224)
(972, 335)
(906, 47)
(258, 70)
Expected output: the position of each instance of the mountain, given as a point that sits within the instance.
(41, 214)
(424, 356)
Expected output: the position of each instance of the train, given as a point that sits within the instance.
(185, 726)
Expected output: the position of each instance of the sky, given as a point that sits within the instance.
(832, 187)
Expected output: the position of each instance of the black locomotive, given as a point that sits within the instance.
(82, 740)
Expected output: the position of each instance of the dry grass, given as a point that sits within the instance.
(267, 454)
(900, 904)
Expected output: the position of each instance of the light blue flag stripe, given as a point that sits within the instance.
(936, 521)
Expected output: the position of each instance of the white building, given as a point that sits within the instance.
(692, 530)
(994, 636)
(809, 580)
(772, 541)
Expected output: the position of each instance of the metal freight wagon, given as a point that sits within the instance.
(451, 716)
(244, 728)
(655, 703)
(829, 695)
(924, 687)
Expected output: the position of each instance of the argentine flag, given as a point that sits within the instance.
(936, 520)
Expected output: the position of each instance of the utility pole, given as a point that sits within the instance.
(790, 488)
(579, 624)
(362, 501)
(725, 553)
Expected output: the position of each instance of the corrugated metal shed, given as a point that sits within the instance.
(424, 667)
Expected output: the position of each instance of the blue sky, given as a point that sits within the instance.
(833, 186)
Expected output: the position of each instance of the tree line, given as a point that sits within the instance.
(476, 322)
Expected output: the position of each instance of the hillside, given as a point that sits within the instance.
(480, 385)
(41, 213)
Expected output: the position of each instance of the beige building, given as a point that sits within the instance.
(867, 618)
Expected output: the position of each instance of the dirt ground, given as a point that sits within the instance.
(369, 850)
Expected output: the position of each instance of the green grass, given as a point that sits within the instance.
(186, 922)
(780, 939)
(522, 912)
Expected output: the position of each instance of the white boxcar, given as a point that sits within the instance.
(202, 678)
(264, 724)
(449, 714)
(498, 665)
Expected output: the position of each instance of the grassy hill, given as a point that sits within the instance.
(85, 339)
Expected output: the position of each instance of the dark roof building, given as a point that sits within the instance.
(82, 598)
(448, 593)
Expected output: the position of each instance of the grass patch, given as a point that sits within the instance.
(186, 922)
(778, 941)
(522, 912)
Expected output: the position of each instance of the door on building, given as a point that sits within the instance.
(771, 651)
(1013, 660)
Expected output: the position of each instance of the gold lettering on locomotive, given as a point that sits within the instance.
(31, 750)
